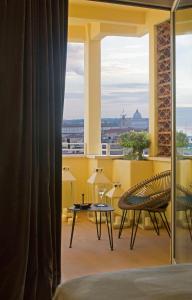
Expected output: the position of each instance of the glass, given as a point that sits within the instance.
(101, 192)
(183, 97)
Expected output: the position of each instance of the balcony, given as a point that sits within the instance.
(89, 255)
(88, 25)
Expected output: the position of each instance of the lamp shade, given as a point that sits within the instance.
(98, 177)
(67, 175)
(115, 192)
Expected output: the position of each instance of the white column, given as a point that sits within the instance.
(92, 130)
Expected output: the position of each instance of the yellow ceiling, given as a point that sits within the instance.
(105, 19)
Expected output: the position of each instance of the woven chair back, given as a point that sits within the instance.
(156, 184)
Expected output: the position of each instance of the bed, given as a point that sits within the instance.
(157, 283)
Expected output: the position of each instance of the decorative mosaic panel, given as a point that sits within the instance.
(164, 88)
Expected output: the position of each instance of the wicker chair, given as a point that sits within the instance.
(184, 203)
(151, 195)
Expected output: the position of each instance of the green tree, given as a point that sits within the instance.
(137, 141)
(181, 139)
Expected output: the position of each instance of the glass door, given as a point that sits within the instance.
(183, 133)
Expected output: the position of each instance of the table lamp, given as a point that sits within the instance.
(98, 178)
(68, 177)
(114, 194)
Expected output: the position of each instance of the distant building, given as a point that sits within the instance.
(112, 128)
(137, 122)
(73, 133)
(190, 139)
(73, 129)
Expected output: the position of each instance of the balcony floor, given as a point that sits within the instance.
(88, 255)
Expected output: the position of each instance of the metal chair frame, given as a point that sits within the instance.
(156, 192)
(185, 205)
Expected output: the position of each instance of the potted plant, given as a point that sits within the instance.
(136, 142)
(181, 142)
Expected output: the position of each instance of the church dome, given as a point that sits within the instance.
(137, 115)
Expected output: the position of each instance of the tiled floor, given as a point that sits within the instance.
(88, 255)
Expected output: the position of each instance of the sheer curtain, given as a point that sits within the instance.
(33, 40)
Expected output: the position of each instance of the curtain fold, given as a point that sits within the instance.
(33, 43)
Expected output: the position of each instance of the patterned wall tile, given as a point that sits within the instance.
(164, 88)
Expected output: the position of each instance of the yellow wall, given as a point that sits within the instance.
(184, 172)
(79, 168)
(126, 172)
(161, 165)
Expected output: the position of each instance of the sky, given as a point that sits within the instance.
(124, 77)
(184, 83)
(184, 70)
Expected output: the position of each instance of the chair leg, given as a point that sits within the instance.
(134, 229)
(122, 223)
(166, 223)
(154, 222)
(188, 223)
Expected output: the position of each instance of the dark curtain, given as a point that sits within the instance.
(33, 40)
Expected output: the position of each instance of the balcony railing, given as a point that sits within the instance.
(74, 149)
(81, 149)
(111, 149)
(184, 151)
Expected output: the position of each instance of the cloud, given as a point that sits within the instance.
(124, 78)
(125, 93)
(124, 72)
(114, 98)
(184, 70)
(125, 59)
(75, 59)
(77, 69)
(125, 97)
(74, 96)
(134, 85)
(70, 112)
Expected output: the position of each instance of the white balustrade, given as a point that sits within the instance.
(81, 149)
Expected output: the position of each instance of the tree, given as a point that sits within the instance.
(137, 141)
(181, 139)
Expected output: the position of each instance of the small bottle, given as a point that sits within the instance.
(83, 197)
